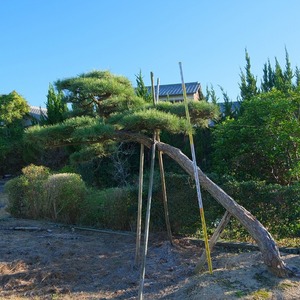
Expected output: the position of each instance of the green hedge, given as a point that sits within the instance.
(64, 197)
(276, 207)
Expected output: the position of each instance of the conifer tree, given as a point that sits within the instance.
(56, 108)
(141, 90)
(279, 82)
(288, 74)
(248, 81)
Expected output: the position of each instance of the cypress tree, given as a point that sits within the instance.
(56, 108)
(288, 73)
(248, 81)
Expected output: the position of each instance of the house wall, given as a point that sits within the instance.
(179, 98)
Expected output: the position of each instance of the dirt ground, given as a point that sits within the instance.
(51, 261)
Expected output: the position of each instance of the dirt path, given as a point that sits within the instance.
(57, 262)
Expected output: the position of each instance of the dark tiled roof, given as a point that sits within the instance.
(176, 89)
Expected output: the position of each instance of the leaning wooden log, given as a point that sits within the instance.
(259, 233)
(264, 240)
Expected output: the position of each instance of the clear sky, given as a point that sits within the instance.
(45, 40)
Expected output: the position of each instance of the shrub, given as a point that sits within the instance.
(64, 196)
(15, 189)
(113, 208)
(25, 193)
(277, 207)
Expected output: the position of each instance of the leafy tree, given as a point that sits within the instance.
(263, 143)
(56, 108)
(13, 108)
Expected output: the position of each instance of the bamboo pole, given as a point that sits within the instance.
(147, 222)
(164, 192)
(213, 240)
(196, 175)
(140, 205)
(162, 175)
(150, 191)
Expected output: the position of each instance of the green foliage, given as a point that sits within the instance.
(98, 93)
(248, 81)
(79, 130)
(64, 197)
(16, 189)
(12, 107)
(201, 112)
(25, 193)
(37, 194)
(141, 90)
(112, 208)
(275, 206)
(56, 108)
(152, 119)
(263, 143)
(211, 95)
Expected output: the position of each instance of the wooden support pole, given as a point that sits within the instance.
(164, 192)
(162, 172)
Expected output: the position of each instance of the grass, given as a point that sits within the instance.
(261, 295)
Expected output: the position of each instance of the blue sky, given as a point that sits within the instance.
(42, 41)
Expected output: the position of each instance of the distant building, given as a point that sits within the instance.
(174, 92)
(34, 116)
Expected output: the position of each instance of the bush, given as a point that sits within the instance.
(276, 207)
(113, 208)
(64, 196)
(15, 189)
(25, 193)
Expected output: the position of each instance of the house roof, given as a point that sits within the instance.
(176, 89)
(36, 111)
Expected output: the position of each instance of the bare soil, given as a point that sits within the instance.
(52, 261)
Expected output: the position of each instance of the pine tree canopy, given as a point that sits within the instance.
(116, 109)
